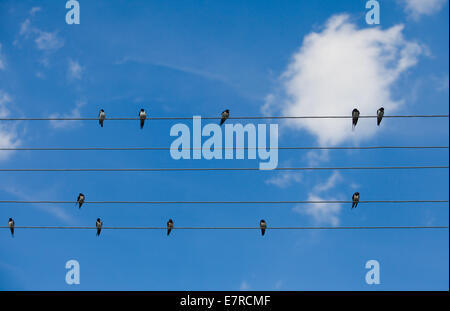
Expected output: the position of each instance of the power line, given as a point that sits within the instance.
(231, 118)
(226, 202)
(228, 228)
(218, 148)
(220, 169)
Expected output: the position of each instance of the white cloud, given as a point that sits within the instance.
(339, 69)
(323, 213)
(315, 157)
(284, 179)
(416, 8)
(25, 28)
(8, 134)
(4, 100)
(34, 10)
(442, 83)
(48, 41)
(75, 71)
(32, 194)
(278, 284)
(329, 184)
(244, 286)
(2, 59)
(75, 113)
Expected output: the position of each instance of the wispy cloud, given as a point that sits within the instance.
(45, 41)
(48, 41)
(5, 99)
(40, 75)
(329, 184)
(2, 59)
(74, 113)
(75, 70)
(285, 179)
(359, 72)
(315, 157)
(185, 69)
(417, 8)
(278, 284)
(8, 134)
(321, 213)
(25, 28)
(442, 83)
(34, 10)
(30, 195)
(244, 286)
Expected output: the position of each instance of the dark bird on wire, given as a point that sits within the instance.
(80, 200)
(169, 226)
(355, 199)
(99, 225)
(101, 117)
(11, 226)
(142, 117)
(355, 116)
(225, 116)
(380, 114)
(263, 226)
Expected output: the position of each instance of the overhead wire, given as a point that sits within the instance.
(218, 118)
(229, 228)
(220, 169)
(229, 202)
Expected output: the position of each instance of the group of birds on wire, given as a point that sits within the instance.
(226, 114)
(99, 224)
(143, 115)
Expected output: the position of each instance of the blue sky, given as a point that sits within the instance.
(185, 58)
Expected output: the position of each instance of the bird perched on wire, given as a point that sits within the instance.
(225, 116)
(80, 200)
(101, 117)
(169, 226)
(355, 199)
(11, 226)
(380, 114)
(99, 225)
(142, 117)
(355, 116)
(263, 226)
